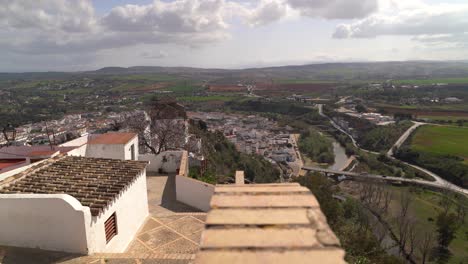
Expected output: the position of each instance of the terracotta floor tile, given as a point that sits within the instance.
(180, 246)
(158, 237)
(187, 226)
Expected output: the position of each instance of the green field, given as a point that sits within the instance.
(302, 81)
(443, 117)
(425, 206)
(207, 98)
(432, 81)
(145, 77)
(442, 140)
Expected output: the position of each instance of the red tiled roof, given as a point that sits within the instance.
(42, 153)
(10, 162)
(113, 138)
(26, 151)
(93, 182)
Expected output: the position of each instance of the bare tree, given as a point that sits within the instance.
(461, 210)
(404, 222)
(405, 201)
(412, 236)
(157, 135)
(425, 246)
(388, 197)
(446, 201)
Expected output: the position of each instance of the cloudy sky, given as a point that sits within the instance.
(70, 35)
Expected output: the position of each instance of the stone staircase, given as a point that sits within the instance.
(267, 223)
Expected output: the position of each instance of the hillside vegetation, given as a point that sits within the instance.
(382, 138)
(224, 159)
(317, 147)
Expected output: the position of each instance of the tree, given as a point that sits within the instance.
(360, 108)
(155, 134)
(425, 246)
(446, 228)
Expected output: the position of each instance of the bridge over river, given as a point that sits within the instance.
(391, 179)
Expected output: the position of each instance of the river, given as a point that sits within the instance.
(341, 159)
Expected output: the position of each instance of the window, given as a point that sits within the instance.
(110, 227)
(132, 152)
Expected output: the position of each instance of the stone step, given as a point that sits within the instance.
(258, 217)
(259, 238)
(258, 201)
(141, 256)
(322, 256)
(260, 184)
(262, 189)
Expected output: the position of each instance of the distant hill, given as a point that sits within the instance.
(323, 71)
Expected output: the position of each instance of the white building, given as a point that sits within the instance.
(74, 204)
(123, 146)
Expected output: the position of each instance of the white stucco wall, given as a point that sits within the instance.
(78, 152)
(59, 221)
(128, 154)
(46, 221)
(194, 193)
(171, 164)
(112, 151)
(107, 151)
(131, 210)
(76, 142)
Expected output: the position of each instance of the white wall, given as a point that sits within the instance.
(171, 164)
(79, 151)
(45, 221)
(128, 153)
(108, 151)
(131, 210)
(59, 221)
(190, 191)
(194, 193)
(112, 151)
(76, 142)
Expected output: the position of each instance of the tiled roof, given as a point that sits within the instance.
(93, 182)
(267, 223)
(113, 138)
(31, 151)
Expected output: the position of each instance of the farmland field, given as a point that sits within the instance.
(442, 140)
(425, 206)
(433, 81)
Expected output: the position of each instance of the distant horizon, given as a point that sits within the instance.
(242, 68)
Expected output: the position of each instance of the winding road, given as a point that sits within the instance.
(438, 182)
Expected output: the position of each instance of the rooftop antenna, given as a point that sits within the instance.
(48, 136)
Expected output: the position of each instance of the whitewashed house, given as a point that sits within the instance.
(112, 145)
(74, 204)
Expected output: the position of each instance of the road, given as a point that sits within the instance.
(439, 181)
(433, 184)
(404, 137)
(335, 125)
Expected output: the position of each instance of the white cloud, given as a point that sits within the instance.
(47, 15)
(335, 9)
(180, 16)
(422, 21)
(71, 26)
(154, 55)
(267, 11)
